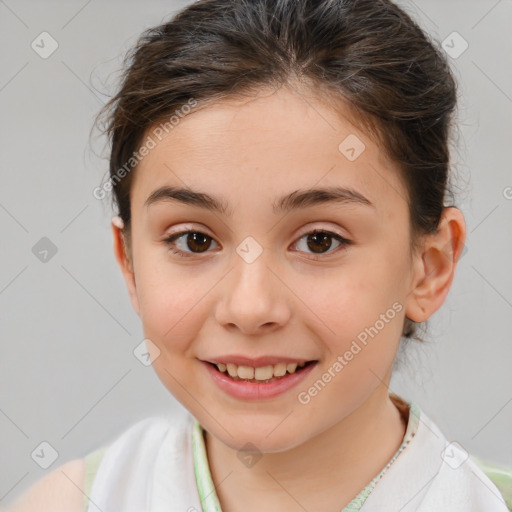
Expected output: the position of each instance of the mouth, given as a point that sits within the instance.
(263, 374)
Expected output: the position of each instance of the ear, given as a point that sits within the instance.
(124, 260)
(435, 266)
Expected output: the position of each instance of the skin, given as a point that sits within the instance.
(316, 456)
(59, 491)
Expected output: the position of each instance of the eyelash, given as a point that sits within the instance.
(169, 241)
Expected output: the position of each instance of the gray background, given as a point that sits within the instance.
(68, 375)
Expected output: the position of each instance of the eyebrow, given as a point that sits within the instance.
(295, 200)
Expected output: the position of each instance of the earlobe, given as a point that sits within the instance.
(124, 260)
(435, 266)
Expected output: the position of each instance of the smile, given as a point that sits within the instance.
(258, 382)
(262, 374)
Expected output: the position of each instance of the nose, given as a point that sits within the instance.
(253, 298)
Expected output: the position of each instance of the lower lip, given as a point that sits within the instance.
(254, 390)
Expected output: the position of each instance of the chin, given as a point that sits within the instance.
(263, 435)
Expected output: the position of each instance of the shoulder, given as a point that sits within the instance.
(458, 480)
(129, 456)
(66, 487)
(133, 461)
(433, 474)
(58, 491)
(499, 474)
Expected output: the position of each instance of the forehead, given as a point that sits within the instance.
(266, 146)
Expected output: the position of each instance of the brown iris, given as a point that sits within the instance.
(324, 239)
(198, 241)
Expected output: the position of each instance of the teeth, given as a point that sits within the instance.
(262, 373)
(246, 372)
(279, 369)
(232, 369)
(291, 367)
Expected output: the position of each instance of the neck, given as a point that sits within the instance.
(324, 473)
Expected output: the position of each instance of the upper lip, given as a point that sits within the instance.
(256, 362)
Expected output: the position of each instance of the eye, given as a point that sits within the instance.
(195, 240)
(319, 241)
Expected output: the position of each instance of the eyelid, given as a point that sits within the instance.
(322, 229)
(202, 229)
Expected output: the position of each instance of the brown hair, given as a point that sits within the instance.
(367, 55)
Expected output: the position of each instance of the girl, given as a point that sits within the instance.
(280, 170)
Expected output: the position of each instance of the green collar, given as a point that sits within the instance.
(206, 489)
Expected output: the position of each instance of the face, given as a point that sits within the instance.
(254, 280)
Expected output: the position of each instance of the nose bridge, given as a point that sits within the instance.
(251, 273)
(253, 296)
(251, 280)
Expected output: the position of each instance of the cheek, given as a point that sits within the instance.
(357, 311)
(172, 302)
(172, 310)
(359, 327)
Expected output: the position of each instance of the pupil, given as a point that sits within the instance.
(322, 238)
(199, 239)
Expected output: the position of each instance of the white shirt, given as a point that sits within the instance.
(150, 468)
